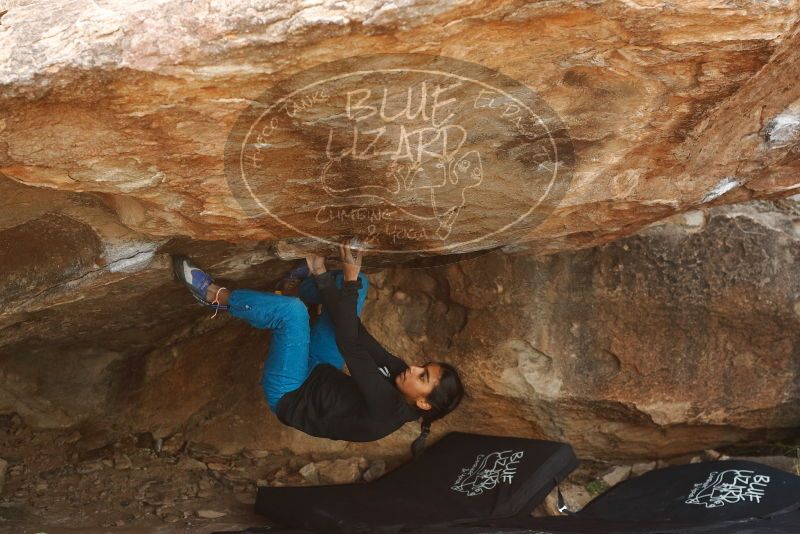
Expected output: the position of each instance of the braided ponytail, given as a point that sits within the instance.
(444, 398)
(419, 444)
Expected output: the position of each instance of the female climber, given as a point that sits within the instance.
(303, 377)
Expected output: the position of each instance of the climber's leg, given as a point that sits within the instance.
(309, 292)
(287, 364)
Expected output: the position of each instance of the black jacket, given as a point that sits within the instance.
(364, 406)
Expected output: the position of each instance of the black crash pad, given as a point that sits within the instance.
(707, 492)
(725, 497)
(788, 523)
(460, 479)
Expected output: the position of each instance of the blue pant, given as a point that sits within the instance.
(295, 348)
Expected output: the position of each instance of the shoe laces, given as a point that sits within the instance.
(216, 303)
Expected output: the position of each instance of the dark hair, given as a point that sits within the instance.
(444, 398)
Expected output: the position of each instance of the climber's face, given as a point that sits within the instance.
(416, 383)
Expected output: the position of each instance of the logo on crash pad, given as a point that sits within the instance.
(729, 487)
(413, 153)
(487, 472)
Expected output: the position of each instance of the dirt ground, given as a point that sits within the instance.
(96, 480)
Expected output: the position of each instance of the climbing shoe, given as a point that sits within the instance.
(290, 284)
(195, 280)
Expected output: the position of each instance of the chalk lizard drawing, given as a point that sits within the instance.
(443, 180)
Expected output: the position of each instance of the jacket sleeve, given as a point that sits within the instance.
(379, 354)
(380, 395)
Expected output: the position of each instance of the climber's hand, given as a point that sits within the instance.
(316, 263)
(351, 264)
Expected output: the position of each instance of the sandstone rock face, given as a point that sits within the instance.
(115, 125)
(668, 106)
